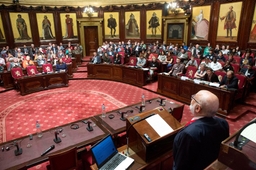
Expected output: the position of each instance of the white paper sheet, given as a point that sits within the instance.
(250, 133)
(159, 125)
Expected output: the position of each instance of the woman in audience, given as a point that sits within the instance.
(153, 66)
(61, 66)
(217, 49)
(215, 65)
(220, 57)
(169, 61)
(67, 59)
(201, 72)
(162, 57)
(228, 66)
(117, 59)
(211, 76)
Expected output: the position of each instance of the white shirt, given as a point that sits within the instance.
(2, 61)
(215, 66)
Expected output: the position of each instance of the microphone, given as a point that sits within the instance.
(18, 150)
(48, 150)
(56, 139)
(148, 101)
(161, 102)
(122, 116)
(140, 108)
(89, 127)
(128, 129)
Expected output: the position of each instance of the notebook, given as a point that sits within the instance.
(107, 157)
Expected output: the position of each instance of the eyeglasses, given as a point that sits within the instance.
(193, 97)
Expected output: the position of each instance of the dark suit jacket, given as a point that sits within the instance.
(214, 78)
(197, 145)
(251, 72)
(233, 83)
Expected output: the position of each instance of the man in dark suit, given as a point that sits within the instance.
(96, 59)
(230, 81)
(198, 144)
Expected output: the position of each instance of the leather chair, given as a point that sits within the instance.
(31, 70)
(47, 68)
(64, 160)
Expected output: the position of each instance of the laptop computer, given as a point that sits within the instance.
(107, 157)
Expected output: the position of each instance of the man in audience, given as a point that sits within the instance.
(207, 49)
(229, 81)
(141, 61)
(192, 62)
(215, 65)
(14, 62)
(198, 144)
(177, 68)
(211, 76)
(27, 62)
(96, 58)
(183, 56)
(200, 72)
(248, 71)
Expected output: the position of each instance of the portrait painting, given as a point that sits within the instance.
(253, 28)
(132, 25)
(111, 25)
(2, 34)
(21, 27)
(200, 22)
(69, 26)
(46, 27)
(154, 24)
(176, 31)
(229, 19)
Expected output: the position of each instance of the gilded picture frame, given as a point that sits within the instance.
(154, 24)
(132, 25)
(253, 27)
(2, 32)
(46, 28)
(111, 25)
(69, 26)
(229, 20)
(20, 27)
(200, 22)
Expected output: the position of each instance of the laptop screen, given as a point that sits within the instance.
(103, 150)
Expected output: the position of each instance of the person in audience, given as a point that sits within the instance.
(210, 54)
(224, 50)
(229, 81)
(27, 62)
(177, 68)
(237, 51)
(169, 61)
(153, 66)
(106, 58)
(206, 49)
(206, 62)
(162, 57)
(248, 71)
(215, 65)
(197, 145)
(61, 66)
(96, 58)
(40, 60)
(211, 76)
(192, 62)
(246, 60)
(228, 66)
(117, 59)
(13, 63)
(200, 73)
(231, 59)
(67, 59)
(196, 50)
(175, 50)
(220, 57)
(128, 51)
(141, 61)
(183, 56)
(217, 49)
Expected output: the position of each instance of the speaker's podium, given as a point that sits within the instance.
(159, 125)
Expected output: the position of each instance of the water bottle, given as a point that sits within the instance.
(103, 111)
(38, 130)
(143, 100)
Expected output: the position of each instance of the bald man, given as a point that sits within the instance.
(198, 144)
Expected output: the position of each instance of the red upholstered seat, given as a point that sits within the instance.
(198, 61)
(122, 54)
(237, 59)
(31, 70)
(132, 61)
(242, 85)
(47, 68)
(236, 67)
(17, 72)
(189, 54)
(174, 59)
(220, 74)
(190, 72)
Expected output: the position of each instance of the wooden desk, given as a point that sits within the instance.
(181, 90)
(134, 76)
(116, 126)
(35, 83)
(31, 156)
(163, 162)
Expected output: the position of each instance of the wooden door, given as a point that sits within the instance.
(91, 39)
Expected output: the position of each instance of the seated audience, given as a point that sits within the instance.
(67, 59)
(40, 60)
(106, 58)
(215, 65)
(220, 57)
(177, 68)
(229, 81)
(206, 62)
(153, 66)
(210, 55)
(96, 58)
(246, 60)
(227, 66)
(207, 49)
(211, 76)
(200, 73)
(192, 62)
(162, 57)
(169, 61)
(217, 49)
(14, 62)
(27, 62)
(117, 59)
(231, 59)
(141, 61)
(248, 71)
(183, 56)
(197, 145)
(61, 66)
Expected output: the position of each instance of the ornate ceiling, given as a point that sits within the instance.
(80, 3)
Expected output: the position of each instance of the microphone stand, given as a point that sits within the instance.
(18, 150)
(122, 116)
(56, 139)
(89, 128)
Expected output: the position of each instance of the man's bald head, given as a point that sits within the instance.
(208, 101)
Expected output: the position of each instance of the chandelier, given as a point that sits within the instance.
(173, 7)
(176, 5)
(89, 11)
